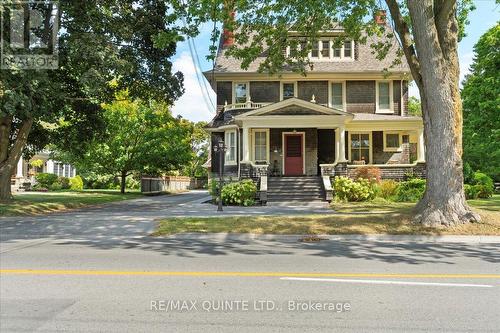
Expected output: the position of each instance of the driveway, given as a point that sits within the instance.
(133, 218)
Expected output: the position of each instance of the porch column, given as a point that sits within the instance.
(421, 146)
(19, 173)
(341, 141)
(246, 149)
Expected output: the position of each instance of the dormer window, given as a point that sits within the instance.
(337, 52)
(325, 49)
(348, 49)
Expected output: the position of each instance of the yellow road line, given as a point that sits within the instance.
(242, 274)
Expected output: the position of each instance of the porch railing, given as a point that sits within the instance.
(246, 105)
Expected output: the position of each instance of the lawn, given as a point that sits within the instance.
(378, 217)
(34, 203)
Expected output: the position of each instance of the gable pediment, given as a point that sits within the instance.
(293, 110)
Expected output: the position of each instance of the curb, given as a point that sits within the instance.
(221, 237)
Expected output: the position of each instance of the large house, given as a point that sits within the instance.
(349, 111)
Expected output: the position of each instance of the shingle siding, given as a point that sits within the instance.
(317, 88)
(265, 92)
(360, 96)
(224, 92)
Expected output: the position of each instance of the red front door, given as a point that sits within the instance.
(294, 159)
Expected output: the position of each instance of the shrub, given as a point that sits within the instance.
(411, 190)
(484, 191)
(64, 181)
(55, 186)
(347, 189)
(45, 179)
(76, 183)
(239, 193)
(471, 191)
(480, 178)
(373, 174)
(387, 189)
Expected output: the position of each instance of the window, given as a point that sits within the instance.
(231, 147)
(325, 50)
(347, 49)
(392, 141)
(315, 50)
(287, 90)
(359, 147)
(384, 97)
(337, 95)
(337, 51)
(240, 92)
(260, 145)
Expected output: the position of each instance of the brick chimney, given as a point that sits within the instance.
(227, 33)
(380, 16)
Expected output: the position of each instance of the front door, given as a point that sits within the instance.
(294, 159)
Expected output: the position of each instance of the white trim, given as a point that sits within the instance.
(294, 101)
(370, 155)
(265, 130)
(227, 161)
(391, 97)
(295, 91)
(234, 83)
(344, 95)
(330, 57)
(393, 149)
(284, 151)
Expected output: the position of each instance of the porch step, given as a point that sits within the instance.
(295, 189)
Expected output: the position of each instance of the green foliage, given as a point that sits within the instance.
(36, 163)
(199, 150)
(481, 106)
(481, 186)
(471, 191)
(411, 190)
(64, 181)
(46, 180)
(480, 178)
(387, 189)
(346, 189)
(212, 187)
(414, 106)
(240, 193)
(76, 183)
(373, 174)
(140, 138)
(468, 173)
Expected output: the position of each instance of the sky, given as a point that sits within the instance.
(193, 106)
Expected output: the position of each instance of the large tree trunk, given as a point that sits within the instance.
(436, 39)
(9, 155)
(123, 181)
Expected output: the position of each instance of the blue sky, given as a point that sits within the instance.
(192, 105)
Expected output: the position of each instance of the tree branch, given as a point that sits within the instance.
(407, 43)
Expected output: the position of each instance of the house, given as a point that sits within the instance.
(40, 163)
(349, 111)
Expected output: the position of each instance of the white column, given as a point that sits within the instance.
(421, 146)
(19, 173)
(50, 166)
(246, 148)
(342, 158)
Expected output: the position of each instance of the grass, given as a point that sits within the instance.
(35, 203)
(377, 217)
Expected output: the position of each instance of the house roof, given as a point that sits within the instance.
(366, 61)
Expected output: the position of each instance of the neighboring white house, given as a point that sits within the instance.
(28, 169)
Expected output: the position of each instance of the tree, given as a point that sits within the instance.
(139, 138)
(428, 32)
(414, 106)
(97, 42)
(481, 100)
(199, 147)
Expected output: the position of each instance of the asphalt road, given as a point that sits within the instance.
(124, 281)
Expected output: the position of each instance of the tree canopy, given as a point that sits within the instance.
(481, 103)
(97, 43)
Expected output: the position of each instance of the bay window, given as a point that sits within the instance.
(230, 141)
